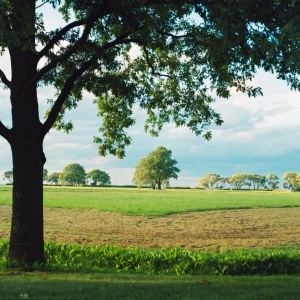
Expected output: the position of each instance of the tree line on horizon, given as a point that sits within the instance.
(73, 174)
(158, 167)
(239, 181)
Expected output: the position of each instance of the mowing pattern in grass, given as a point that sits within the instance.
(154, 202)
(63, 257)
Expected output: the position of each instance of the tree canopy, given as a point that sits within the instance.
(73, 174)
(8, 175)
(99, 177)
(212, 181)
(53, 178)
(156, 169)
(167, 56)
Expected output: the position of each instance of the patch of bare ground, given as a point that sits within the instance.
(209, 230)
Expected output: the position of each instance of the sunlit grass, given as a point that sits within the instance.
(155, 202)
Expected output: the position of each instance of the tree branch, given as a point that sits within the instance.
(68, 86)
(173, 35)
(153, 71)
(65, 92)
(66, 55)
(6, 133)
(42, 4)
(58, 36)
(4, 79)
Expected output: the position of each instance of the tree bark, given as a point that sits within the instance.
(27, 238)
(159, 185)
(26, 141)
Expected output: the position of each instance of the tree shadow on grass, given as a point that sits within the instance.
(125, 286)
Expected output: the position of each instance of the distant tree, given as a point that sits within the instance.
(237, 180)
(53, 178)
(156, 169)
(45, 174)
(73, 174)
(8, 175)
(295, 181)
(290, 182)
(257, 181)
(99, 177)
(212, 181)
(273, 181)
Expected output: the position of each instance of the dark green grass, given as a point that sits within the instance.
(109, 272)
(154, 202)
(42, 285)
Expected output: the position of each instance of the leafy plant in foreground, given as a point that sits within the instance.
(64, 257)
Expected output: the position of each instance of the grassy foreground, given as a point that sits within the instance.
(154, 202)
(44, 285)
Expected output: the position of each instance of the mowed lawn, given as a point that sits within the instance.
(155, 202)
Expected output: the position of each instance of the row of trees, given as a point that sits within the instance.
(72, 174)
(255, 181)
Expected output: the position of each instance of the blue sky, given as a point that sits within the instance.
(259, 135)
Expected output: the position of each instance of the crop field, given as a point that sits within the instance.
(190, 219)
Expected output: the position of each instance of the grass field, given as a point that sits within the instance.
(191, 219)
(153, 202)
(120, 286)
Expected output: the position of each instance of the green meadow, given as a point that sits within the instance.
(155, 202)
(109, 272)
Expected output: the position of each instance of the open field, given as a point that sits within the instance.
(153, 202)
(190, 219)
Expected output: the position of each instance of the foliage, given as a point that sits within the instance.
(73, 174)
(156, 169)
(273, 182)
(8, 175)
(99, 177)
(212, 181)
(64, 257)
(292, 181)
(45, 174)
(179, 58)
(237, 180)
(53, 178)
(257, 181)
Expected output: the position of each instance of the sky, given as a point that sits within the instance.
(259, 135)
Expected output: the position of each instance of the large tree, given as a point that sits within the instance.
(99, 177)
(73, 174)
(156, 168)
(185, 49)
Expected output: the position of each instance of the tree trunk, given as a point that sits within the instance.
(27, 238)
(26, 141)
(159, 185)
